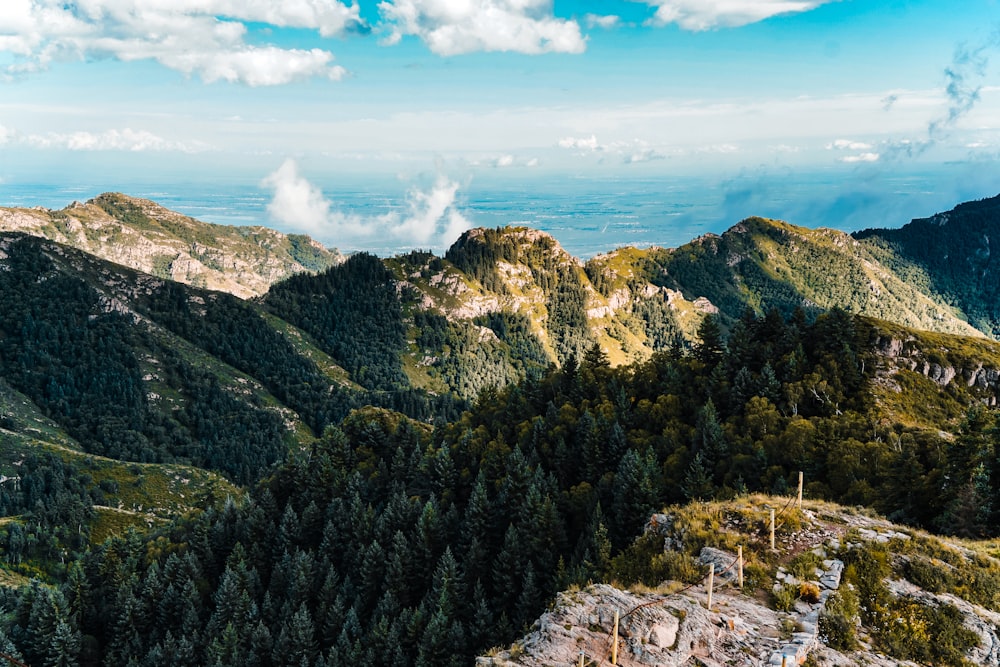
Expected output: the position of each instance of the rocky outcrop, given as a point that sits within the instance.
(142, 235)
(677, 628)
(911, 354)
(654, 629)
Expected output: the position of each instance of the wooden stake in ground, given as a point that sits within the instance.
(581, 657)
(799, 499)
(739, 565)
(614, 642)
(772, 529)
(711, 582)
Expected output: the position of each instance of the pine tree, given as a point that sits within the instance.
(697, 484)
(297, 639)
(64, 647)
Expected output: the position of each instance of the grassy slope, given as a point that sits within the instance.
(146, 492)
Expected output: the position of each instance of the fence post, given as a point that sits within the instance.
(711, 582)
(614, 642)
(772, 529)
(799, 500)
(581, 657)
(739, 570)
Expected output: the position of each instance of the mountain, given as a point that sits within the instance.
(143, 235)
(505, 302)
(403, 461)
(762, 264)
(129, 400)
(949, 254)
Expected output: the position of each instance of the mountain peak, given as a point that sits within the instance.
(143, 235)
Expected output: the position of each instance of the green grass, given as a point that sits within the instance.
(110, 522)
(158, 490)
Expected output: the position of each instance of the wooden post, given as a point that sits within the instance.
(614, 642)
(799, 500)
(739, 565)
(772, 529)
(581, 657)
(784, 659)
(711, 582)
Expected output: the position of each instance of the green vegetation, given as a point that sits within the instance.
(550, 268)
(353, 313)
(904, 628)
(383, 540)
(457, 536)
(950, 255)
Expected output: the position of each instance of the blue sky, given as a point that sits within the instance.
(439, 95)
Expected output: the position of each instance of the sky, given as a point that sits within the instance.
(377, 125)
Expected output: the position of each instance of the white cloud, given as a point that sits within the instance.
(581, 143)
(709, 14)
(607, 22)
(430, 218)
(847, 145)
(643, 155)
(631, 151)
(504, 161)
(111, 140)
(6, 134)
(861, 157)
(205, 38)
(451, 28)
(720, 149)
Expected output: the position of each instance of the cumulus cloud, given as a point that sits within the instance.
(112, 140)
(861, 157)
(607, 22)
(643, 155)
(429, 219)
(709, 14)
(451, 28)
(503, 161)
(581, 143)
(848, 145)
(6, 134)
(205, 38)
(866, 154)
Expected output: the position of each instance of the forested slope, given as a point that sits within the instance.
(388, 542)
(950, 254)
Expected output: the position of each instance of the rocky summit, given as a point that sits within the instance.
(789, 611)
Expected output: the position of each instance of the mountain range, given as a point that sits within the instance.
(245, 400)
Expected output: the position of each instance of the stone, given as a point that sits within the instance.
(663, 634)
